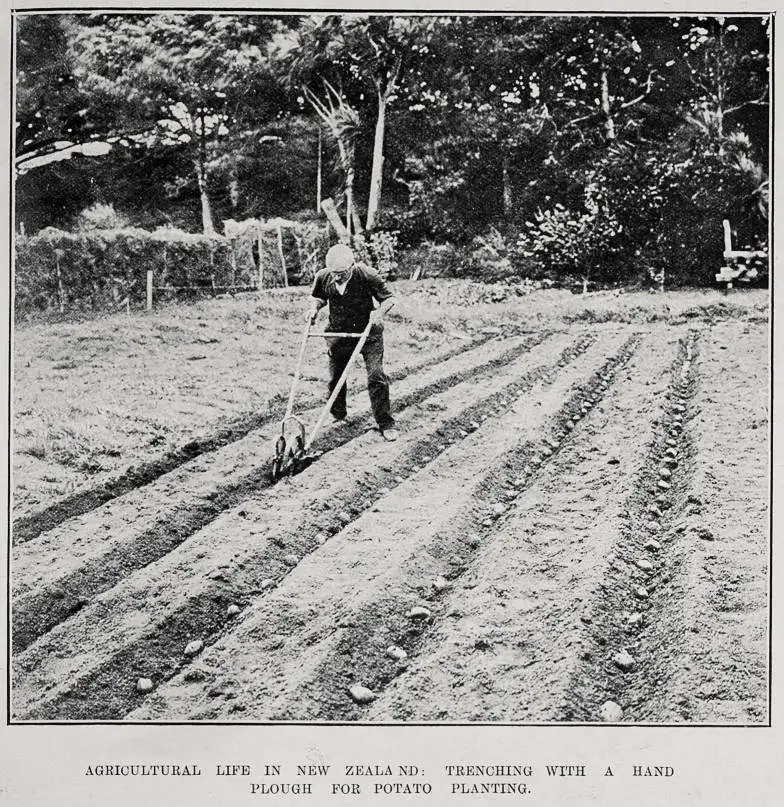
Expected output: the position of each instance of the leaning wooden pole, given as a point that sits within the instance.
(333, 217)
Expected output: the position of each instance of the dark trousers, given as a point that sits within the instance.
(378, 382)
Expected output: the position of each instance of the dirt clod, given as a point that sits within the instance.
(193, 647)
(624, 661)
(397, 653)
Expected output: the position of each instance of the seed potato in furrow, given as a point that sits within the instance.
(230, 558)
(260, 666)
(709, 642)
(510, 632)
(56, 574)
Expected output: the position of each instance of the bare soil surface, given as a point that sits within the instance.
(575, 513)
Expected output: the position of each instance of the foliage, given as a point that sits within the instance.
(379, 250)
(100, 217)
(545, 146)
(97, 270)
(575, 242)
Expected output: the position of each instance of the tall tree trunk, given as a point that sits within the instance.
(201, 174)
(346, 150)
(507, 185)
(377, 172)
(609, 124)
(206, 208)
(318, 174)
(721, 88)
(353, 224)
(350, 197)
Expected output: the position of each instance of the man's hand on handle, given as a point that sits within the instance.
(315, 306)
(377, 314)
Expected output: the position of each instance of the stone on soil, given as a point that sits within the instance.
(144, 685)
(397, 653)
(362, 694)
(611, 712)
(624, 661)
(645, 565)
(233, 610)
(419, 612)
(654, 546)
(641, 592)
(291, 560)
(192, 648)
(499, 509)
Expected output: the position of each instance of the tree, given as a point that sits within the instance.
(727, 66)
(178, 80)
(52, 123)
(364, 59)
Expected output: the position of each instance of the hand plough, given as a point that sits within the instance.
(292, 445)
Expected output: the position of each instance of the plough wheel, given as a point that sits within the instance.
(280, 456)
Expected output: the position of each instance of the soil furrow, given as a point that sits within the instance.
(506, 637)
(278, 646)
(630, 597)
(246, 551)
(140, 527)
(30, 526)
(706, 648)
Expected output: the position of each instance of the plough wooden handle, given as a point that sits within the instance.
(337, 334)
(341, 382)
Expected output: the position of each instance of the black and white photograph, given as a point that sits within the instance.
(390, 368)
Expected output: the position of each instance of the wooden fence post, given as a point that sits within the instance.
(149, 289)
(282, 256)
(60, 289)
(259, 235)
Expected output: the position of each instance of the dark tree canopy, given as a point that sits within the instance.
(604, 146)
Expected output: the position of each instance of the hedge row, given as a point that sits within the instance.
(57, 271)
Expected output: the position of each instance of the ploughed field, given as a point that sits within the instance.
(572, 526)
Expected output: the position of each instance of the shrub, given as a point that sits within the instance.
(100, 217)
(95, 270)
(574, 242)
(379, 250)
